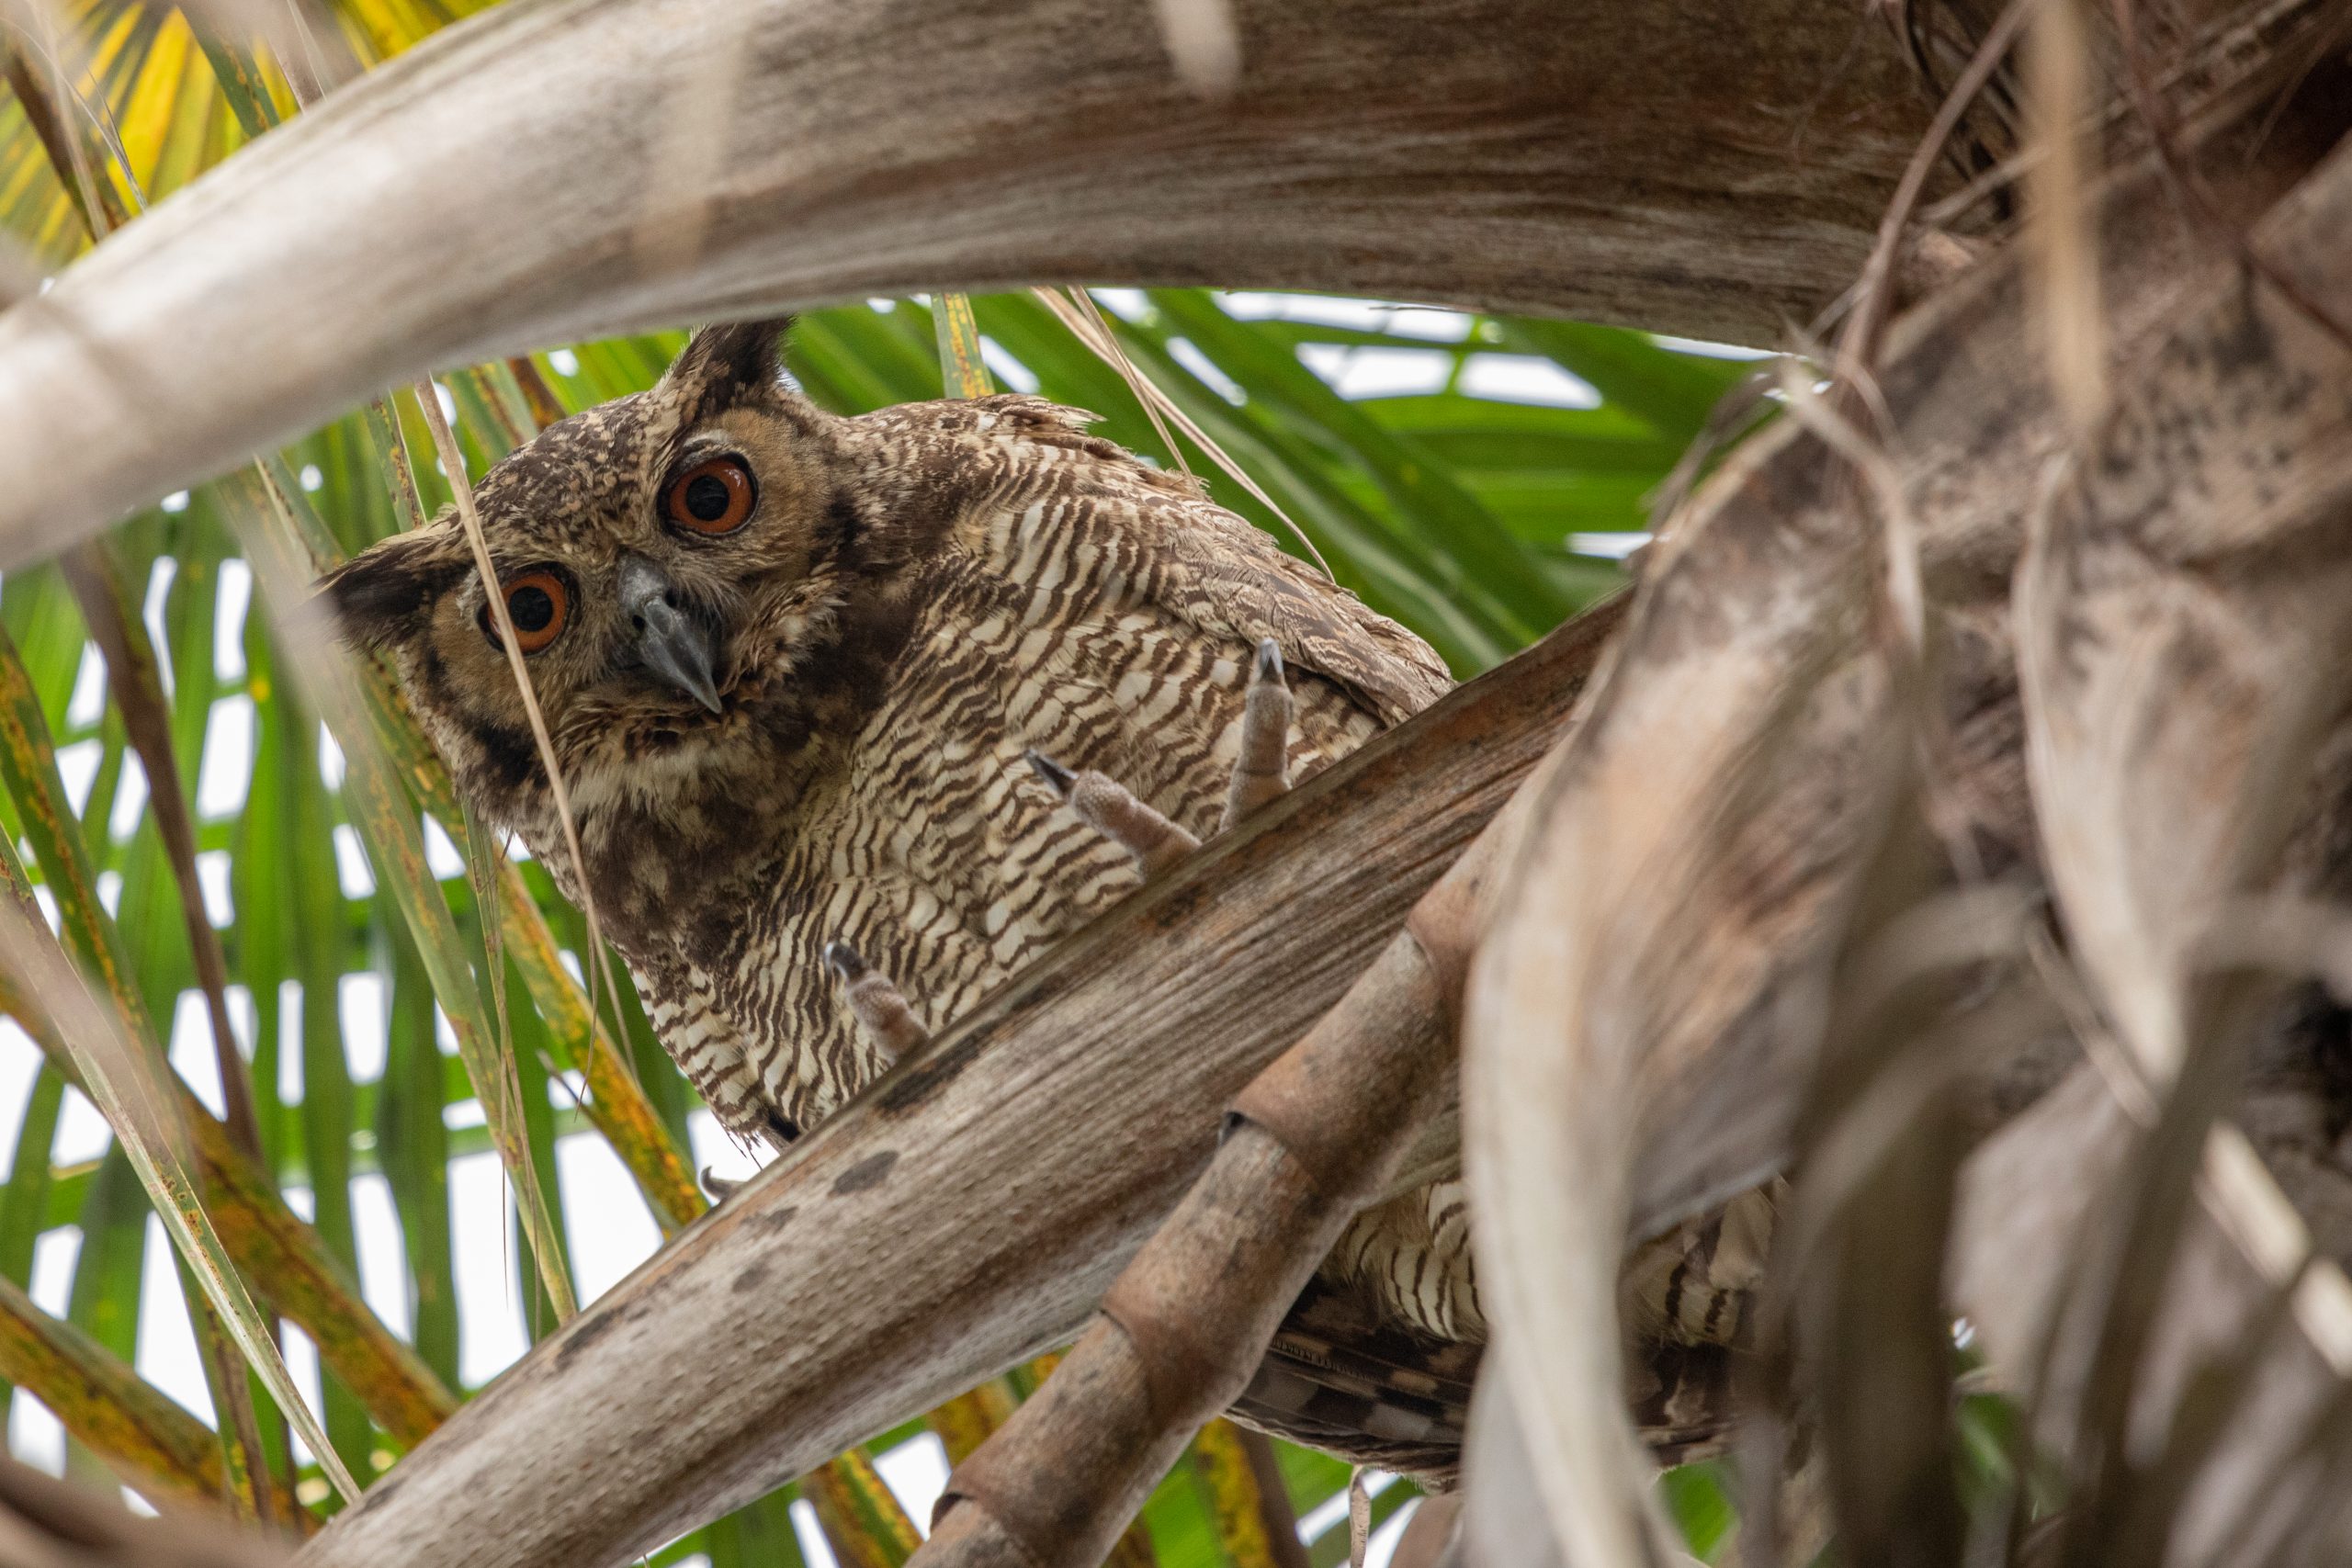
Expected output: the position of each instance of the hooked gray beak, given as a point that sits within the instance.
(675, 646)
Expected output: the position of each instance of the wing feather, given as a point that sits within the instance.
(1221, 573)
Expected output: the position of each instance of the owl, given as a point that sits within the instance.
(822, 683)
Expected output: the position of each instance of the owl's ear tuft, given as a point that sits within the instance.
(738, 362)
(381, 595)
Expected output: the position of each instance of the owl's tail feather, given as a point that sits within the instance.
(1344, 1376)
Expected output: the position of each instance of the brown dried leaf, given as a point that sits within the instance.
(1648, 997)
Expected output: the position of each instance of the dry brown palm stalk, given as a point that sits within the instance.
(168, 1454)
(1312, 1140)
(47, 1523)
(1595, 162)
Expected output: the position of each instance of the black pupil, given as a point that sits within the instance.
(708, 496)
(532, 608)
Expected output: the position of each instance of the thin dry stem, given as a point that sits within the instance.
(1873, 294)
(1093, 330)
(1104, 342)
(2059, 77)
(522, 1172)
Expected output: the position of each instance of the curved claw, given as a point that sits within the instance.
(1059, 779)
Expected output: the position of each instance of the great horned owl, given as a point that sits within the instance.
(792, 664)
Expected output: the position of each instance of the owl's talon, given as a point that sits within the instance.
(1059, 779)
(1262, 771)
(720, 1188)
(1111, 810)
(880, 1010)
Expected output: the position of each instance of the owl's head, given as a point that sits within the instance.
(669, 560)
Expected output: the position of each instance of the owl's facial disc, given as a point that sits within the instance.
(673, 643)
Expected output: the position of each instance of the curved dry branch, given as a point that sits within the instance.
(864, 1278)
(529, 177)
(49, 1523)
(2184, 619)
(1642, 1019)
(2184, 625)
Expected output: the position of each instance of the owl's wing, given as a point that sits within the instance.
(1222, 574)
(1217, 572)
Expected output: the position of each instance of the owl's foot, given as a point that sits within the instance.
(877, 1005)
(1260, 772)
(1108, 807)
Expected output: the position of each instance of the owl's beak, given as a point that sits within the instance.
(675, 646)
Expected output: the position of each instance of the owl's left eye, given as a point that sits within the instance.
(538, 603)
(713, 497)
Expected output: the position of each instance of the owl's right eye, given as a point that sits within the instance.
(714, 497)
(539, 603)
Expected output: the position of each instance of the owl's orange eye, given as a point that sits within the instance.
(715, 497)
(539, 603)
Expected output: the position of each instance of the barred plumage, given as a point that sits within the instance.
(792, 664)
